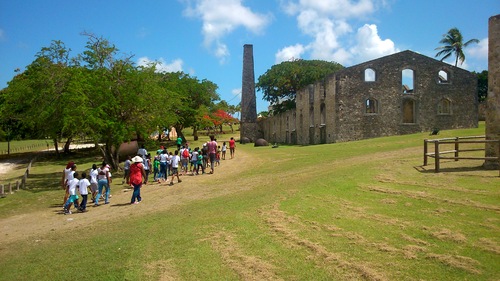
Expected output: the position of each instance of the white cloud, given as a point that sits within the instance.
(161, 64)
(479, 50)
(340, 9)
(220, 18)
(333, 37)
(369, 45)
(289, 53)
(236, 92)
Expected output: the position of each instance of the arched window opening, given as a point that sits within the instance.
(408, 111)
(369, 75)
(311, 116)
(323, 114)
(443, 77)
(371, 106)
(444, 107)
(407, 76)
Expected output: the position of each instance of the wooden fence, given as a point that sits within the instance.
(457, 149)
(19, 184)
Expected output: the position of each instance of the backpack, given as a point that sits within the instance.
(185, 153)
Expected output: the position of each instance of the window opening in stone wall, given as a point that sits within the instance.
(311, 94)
(444, 107)
(408, 111)
(407, 76)
(311, 116)
(369, 75)
(443, 77)
(301, 121)
(371, 106)
(323, 114)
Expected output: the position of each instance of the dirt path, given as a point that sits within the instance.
(156, 198)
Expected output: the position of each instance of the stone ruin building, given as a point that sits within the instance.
(398, 94)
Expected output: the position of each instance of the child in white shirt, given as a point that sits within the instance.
(83, 185)
(73, 198)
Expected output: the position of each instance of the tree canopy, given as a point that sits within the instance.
(101, 95)
(482, 85)
(281, 82)
(454, 45)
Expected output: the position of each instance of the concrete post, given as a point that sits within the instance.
(248, 126)
(493, 99)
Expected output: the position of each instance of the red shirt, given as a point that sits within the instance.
(136, 173)
(231, 143)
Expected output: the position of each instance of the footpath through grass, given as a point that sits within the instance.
(347, 211)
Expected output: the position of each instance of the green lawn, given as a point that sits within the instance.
(363, 210)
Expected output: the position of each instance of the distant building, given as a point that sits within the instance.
(398, 94)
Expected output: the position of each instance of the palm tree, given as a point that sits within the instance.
(453, 41)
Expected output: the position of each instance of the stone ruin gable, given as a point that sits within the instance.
(385, 106)
(353, 104)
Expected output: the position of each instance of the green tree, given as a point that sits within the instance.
(482, 85)
(281, 83)
(41, 97)
(454, 45)
(196, 99)
(126, 101)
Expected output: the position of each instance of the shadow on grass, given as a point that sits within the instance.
(431, 169)
(120, 205)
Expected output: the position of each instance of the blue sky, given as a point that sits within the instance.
(205, 38)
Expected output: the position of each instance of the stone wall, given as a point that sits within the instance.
(355, 104)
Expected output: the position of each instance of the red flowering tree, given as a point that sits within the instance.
(218, 118)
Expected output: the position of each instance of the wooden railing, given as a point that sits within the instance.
(9, 188)
(457, 141)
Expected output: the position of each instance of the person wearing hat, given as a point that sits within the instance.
(137, 177)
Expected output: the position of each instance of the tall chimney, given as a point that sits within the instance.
(493, 99)
(248, 126)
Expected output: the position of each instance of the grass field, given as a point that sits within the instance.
(364, 210)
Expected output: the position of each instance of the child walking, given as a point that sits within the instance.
(73, 198)
(83, 185)
(174, 163)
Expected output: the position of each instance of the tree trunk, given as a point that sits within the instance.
(111, 157)
(56, 146)
(67, 145)
(178, 129)
(195, 133)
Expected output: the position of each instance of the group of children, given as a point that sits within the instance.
(182, 161)
(72, 182)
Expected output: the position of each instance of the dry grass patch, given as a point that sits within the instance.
(448, 235)
(336, 263)
(461, 262)
(162, 268)
(488, 245)
(246, 266)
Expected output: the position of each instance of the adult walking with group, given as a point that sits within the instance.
(137, 177)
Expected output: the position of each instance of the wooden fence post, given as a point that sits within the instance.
(17, 185)
(436, 156)
(10, 188)
(425, 152)
(2, 189)
(456, 148)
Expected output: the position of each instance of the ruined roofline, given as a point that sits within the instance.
(409, 52)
